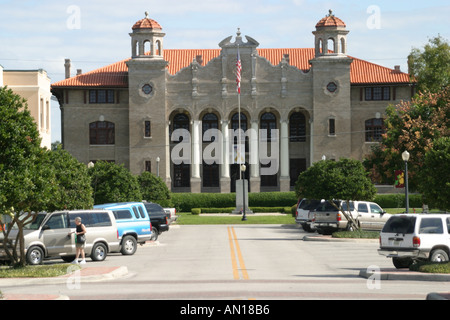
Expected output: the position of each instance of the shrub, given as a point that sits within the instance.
(196, 211)
(357, 234)
(431, 267)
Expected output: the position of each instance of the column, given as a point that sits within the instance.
(255, 179)
(284, 157)
(225, 180)
(196, 157)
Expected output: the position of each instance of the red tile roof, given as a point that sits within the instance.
(146, 23)
(116, 74)
(330, 21)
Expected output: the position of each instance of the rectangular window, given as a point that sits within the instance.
(101, 96)
(332, 127)
(147, 129)
(377, 93)
(148, 166)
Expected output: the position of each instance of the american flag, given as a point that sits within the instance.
(238, 72)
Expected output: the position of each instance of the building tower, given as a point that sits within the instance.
(148, 125)
(147, 39)
(331, 118)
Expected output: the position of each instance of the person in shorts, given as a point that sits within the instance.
(79, 243)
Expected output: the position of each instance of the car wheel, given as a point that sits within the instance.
(155, 234)
(99, 252)
(438, 255)
(35, 256)
(129, 245)
(402, 263)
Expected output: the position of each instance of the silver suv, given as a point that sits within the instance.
(48, 235)
(409, 237)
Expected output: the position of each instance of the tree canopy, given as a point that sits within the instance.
(435, 175)
(113, 183)
(345, 179)
(412, 126)
(431, 66)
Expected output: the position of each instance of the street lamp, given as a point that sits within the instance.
(158, 159)
(405, 157)
(243, 168)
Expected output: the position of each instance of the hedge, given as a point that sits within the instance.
(397, 200)
(184, 202)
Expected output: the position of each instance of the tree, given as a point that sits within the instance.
(113, 183)
(345, 179)
(412, 126)
(154, 189)
(27, 184)
(435, 175)
(74, 183)
(431, 67)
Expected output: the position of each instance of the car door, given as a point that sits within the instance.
(55, 234)
(378, 216)
(363, 215)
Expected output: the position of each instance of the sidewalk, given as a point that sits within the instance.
(86, 274)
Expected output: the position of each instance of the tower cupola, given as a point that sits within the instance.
(147, 39)
(330, 36)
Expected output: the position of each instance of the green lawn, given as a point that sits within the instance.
(185, 218)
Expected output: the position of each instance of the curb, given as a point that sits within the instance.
(330, 239)
(405, 275)
(86, 274)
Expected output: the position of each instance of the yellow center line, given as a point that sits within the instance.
(233, 256)
(231, 237)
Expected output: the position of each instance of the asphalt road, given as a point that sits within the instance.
(242, 262)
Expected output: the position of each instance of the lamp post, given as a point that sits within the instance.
(158, 159)
(405, 157)
(243, 168)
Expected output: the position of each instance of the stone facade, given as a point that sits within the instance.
(326, 105)
(34, 86)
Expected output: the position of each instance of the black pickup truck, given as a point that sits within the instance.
(158, 218)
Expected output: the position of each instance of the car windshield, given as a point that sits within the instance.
(36, 223)
(309, 204)
(154, 208)
(400, 224)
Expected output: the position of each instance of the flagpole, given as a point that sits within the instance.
(239, 111)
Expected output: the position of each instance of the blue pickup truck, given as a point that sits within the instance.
(133, 224)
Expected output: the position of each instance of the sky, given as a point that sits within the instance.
(40, 34)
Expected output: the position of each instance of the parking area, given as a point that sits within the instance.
(242, 262)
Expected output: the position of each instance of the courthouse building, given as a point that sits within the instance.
(323, 102)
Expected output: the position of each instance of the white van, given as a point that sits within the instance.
(409, 237)
(49, 235)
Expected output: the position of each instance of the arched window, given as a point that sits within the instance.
(297, 127)
(209, 121)
(374, 129)
(101, 133)
(148, 47)
(330, 45)
(158, 48)
(235, 126)
(268, 122)
(235, 122)
(180, 121)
